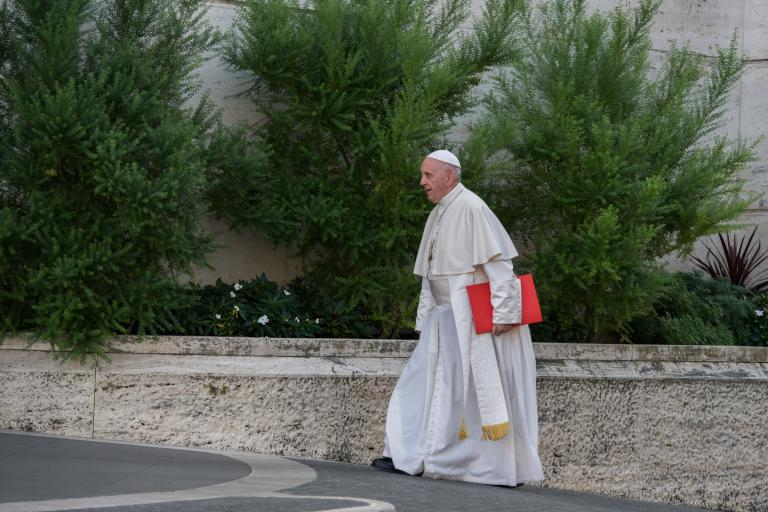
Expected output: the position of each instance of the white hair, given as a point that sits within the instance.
(452, 168)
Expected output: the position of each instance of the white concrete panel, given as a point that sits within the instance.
(757, 177)
(756, 29)
(749, 220)
(731, 120)
(222, 83)
(700, 24)
(754, 100)
(245, 255)
(754, 125)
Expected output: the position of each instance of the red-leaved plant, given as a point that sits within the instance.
(739, 262)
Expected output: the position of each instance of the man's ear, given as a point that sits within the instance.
(452, 178)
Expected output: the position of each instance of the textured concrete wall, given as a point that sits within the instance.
(39, 394)
(668, 440)
(674, 424)
(699, 24)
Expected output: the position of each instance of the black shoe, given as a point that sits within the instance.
(386, 464)
(510, 486)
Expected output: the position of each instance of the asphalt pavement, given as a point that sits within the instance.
(47, 473)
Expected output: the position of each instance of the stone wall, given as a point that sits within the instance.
(673, 424)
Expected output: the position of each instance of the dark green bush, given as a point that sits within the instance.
(697, 310)
(261, 307)
(760, 321)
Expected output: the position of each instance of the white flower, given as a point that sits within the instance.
(238, 287)
(297, 319)
(286, 292)
(232, 294)
(218, 316)
(263, 320)
(759, 312)
(237, 308)
(317, 320)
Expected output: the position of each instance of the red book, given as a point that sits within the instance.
(482, 309)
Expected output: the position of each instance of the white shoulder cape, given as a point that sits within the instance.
(470, 235)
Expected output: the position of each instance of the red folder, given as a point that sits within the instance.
(482, 309)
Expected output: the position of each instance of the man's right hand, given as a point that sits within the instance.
(499, 329)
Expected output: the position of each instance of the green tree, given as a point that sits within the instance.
(603, 165)
(103, 168)
(6, 50)
(353, 94)
(6, 221)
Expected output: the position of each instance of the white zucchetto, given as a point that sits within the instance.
(443, 155)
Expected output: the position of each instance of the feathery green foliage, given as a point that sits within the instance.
(354, 93)
(604, 165)
(102, 168)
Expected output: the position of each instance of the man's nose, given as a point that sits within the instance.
(422, 181)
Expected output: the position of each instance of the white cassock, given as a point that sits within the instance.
(465, 405)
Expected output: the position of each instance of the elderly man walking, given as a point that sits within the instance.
(465, 405)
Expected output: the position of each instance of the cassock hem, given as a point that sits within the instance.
(476, 480)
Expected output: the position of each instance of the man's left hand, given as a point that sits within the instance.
(499, 329)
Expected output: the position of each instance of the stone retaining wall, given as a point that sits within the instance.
(661, 423)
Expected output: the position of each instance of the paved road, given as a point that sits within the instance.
(45, 473)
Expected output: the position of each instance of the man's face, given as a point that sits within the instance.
(436, 179)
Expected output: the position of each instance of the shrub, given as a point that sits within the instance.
(354, 94)
(603, 166)
(703, 311)
(102, 168)
(261, 307)
(760, 321)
